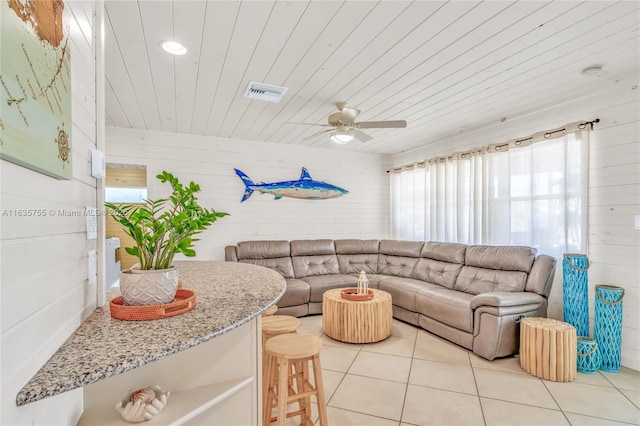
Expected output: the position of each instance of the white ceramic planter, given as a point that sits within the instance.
(153, 287)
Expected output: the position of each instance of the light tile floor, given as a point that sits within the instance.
(416, 378)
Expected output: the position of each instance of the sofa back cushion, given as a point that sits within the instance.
(479, 280)
(446, 252)
(437, 272)
(541, 276)
(270, 254)
(314, 257)
(357, 255)
(495, 268)
(399, 258)
(440, 263)
(503, 258)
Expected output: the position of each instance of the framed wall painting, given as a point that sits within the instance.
(35, 86)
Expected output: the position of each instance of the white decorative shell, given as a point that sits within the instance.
(143, 404)
(145, 395)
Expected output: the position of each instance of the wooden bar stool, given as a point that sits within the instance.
(273, 326)
(270, 311)
(288, 378)
(278, 324)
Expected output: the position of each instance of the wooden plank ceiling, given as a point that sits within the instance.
(442, 66)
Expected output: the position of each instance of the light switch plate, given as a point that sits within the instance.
(638, 222)
(91, 214)
(92, 263)
(98, 164)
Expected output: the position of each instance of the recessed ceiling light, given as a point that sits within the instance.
(593, 71)
(173, 47)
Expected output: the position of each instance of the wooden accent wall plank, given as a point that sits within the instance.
(128, 178)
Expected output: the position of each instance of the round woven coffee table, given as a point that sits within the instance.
(357, 321)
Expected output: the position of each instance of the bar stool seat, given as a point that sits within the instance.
(270, 311)
(288, 378)
(278, 324)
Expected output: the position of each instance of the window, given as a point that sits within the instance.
(125, 184)
(125, 195)
(534, 196)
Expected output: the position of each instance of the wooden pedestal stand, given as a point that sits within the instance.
(548, 349)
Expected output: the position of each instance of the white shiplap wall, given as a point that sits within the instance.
(614, 200)
(209, 161)
(614, 192)
(43, 278)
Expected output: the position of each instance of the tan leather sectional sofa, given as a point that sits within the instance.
(471, 295)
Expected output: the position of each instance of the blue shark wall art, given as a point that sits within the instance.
(305, 188)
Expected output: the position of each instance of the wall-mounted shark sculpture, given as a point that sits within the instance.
(305, 188)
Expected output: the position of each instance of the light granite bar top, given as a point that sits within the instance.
(228, 294)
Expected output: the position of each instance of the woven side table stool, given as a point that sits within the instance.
(548, 349)
(288, 379)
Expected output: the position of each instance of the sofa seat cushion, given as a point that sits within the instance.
(297, 293)
(403, 290)
(321, 283)
(449, 307)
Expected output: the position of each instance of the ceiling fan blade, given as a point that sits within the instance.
(361, 136)
(381, 124)
(306, 124)
(315, 135)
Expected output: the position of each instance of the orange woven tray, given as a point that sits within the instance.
(184, 301)
(352, 294)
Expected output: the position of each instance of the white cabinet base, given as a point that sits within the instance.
(216, 382)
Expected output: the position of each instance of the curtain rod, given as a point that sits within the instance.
(502, 147)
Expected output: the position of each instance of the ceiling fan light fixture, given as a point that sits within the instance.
(173, 47)
(341, 136)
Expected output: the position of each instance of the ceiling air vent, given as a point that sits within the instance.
(264, 92)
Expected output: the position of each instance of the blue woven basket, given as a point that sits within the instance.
(588, 359)
(607, 329)
(576, 292)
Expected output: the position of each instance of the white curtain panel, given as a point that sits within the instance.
(534, 196)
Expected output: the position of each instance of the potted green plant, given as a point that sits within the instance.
(161, 229)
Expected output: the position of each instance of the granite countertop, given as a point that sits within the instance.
(228, 294)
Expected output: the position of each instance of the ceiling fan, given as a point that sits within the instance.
(345, 128)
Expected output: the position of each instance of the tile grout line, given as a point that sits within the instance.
(475, 382)
(618, 389)
(475, 369)
(406, 388)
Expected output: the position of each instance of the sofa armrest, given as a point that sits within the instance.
(230, 254)
(505, 298)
